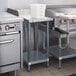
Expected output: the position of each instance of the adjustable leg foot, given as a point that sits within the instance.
(59, 64)
(47, 63)
(15, 73)
(29, 68)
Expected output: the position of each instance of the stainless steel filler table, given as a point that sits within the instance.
(35, 56)
(68, 52)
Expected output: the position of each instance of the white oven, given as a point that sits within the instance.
(10, 47)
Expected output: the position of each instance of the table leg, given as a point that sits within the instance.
(44, 40)
(15, 73)
(59, 63)
(36, 37)
(21, 45)
(29, 45)
(47, 37)
(68, 30)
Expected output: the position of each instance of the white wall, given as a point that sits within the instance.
(58, 2)
(3, 4)
(20, 3)
(70, 1)
(26, 3)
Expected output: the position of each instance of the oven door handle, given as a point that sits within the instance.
(7, 41)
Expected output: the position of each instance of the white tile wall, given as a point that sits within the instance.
(20, 3)
(26, 3)
(58, 2)
(3, 4)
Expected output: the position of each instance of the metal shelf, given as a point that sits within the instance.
(62, 53)
(35, 58)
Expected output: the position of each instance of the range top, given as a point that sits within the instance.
(6, 17)
(9, 22)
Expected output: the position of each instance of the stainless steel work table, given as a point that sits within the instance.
(35, 56)
(68, 52)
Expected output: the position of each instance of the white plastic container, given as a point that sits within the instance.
(37, 10)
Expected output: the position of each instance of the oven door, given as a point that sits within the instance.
(9, 49)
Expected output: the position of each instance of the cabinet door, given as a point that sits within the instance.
(9, 49)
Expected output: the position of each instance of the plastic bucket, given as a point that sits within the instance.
(37, 10)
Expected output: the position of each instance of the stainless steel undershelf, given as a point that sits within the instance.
(62, 54)
(35, 57)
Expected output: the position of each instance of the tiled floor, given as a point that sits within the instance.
(68, 68)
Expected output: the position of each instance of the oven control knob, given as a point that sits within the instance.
(0, 28)
(7, 27)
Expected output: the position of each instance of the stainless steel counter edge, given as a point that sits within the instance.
(11, 20)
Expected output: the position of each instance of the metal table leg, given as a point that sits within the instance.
(29, 45)
(60, 48)
(44, 40)
(29, 66)
(15, 73)
(67, 28)
(47, 37)
(36, 37)
(59, 63)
